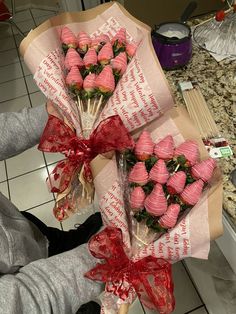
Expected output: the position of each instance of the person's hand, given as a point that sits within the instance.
(52, 109)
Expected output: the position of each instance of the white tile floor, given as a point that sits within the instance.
(22, 178)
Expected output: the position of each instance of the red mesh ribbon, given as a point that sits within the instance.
(111, 134)
(150, 277)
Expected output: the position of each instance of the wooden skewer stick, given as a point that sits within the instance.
(199, 112)
(94, 106)
(89, 103)
(78, 103)
(124, 308)
(98, 106)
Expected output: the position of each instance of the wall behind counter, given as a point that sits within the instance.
(153, 12)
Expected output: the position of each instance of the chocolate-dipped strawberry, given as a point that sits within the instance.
(204, 169)
(169, 219)
(137, 198)
(192, 192)
(72, 58)
(90, 59)
(138, 174)
(119, 63)
(190, 150)
(156, 203)
(105, 81)
(130, 50)
(105, 54)
(159, 172)
(89, 84)
(99, 41)
(120, 38)
(84, 41)
(144, 146)
(74, 79)
(176, 182)
(68, 38)
(165, 148)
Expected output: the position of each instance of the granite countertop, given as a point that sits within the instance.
(217, 82)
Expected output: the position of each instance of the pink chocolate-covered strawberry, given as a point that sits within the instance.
(190, 150)
(169, 219)
(192, 192)
(204, 169)
(89, 84)
(138, 174)
(105, 81)
(73, 59)
(84, 41)
(74, 79)
(90, 58)
(159, 172)
(99, 41)
(156, 203)
(137, 198)
(165, 148)
(144, 146)
(119, 63)
(68, 38)
(105, 54)
(176, 182)
(131, 49)
(120, 38)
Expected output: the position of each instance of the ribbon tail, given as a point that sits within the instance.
(61, 176)
(156, 291)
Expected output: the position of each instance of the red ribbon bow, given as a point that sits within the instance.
(150, 277)
(111, 134)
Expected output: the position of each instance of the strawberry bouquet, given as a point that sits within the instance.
(92, 69)
(163, 183)
(156, 203)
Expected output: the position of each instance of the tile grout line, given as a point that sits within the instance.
(12, 80)
(1, 102)
(32, 17)
(196, 308)
(194, 285)
(24, 77)
(33, 207)
(36, 169)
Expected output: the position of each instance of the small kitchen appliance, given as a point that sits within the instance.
(172, 41)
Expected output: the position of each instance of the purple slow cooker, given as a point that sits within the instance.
(173, 45)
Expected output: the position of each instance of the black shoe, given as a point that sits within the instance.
(89, 308)
(90, 226)
(62, 241)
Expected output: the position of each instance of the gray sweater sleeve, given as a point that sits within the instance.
(52, 285)
(21, 130)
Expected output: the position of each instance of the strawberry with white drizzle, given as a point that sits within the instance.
(159, 172)
(156, 203)
(165, 148)
(138, 174)
(144, 146)
(169, 219)
(204, 169)
(137, 198)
